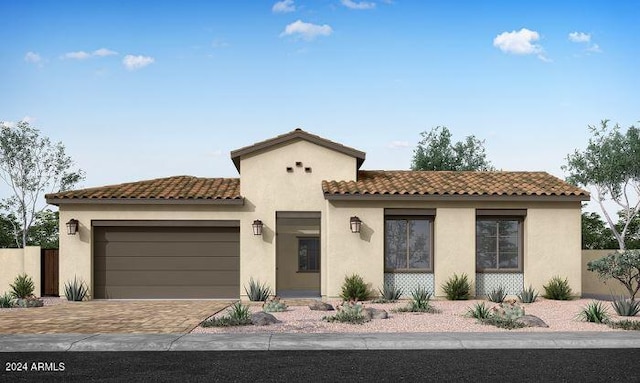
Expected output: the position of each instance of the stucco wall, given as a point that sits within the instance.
(593, 287)
(19, 261)
(268, 188)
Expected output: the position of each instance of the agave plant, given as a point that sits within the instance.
(594, 312)
(528, 295)
(497, 295)
(625, 307)
(257, 292)
(76, 291)
(389, 294)
(22, 287)
(6, 300)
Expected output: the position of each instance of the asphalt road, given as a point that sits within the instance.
(595, 365)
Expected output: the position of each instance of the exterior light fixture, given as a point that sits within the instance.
(355, 224)
(72, 226)
(257, 227)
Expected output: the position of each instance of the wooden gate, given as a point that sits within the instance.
(49, 272)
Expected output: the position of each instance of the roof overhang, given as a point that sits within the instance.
(295, 135)
(491, 198)
(143, 201)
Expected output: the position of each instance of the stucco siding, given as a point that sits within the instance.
(14, 262)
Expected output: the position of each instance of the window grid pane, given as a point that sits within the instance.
(407, 244)
(497, 244)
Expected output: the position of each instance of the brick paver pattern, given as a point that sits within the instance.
(111, 316)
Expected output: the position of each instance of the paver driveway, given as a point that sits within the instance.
(111, 316)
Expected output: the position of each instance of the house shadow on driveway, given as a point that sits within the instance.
(111, 317)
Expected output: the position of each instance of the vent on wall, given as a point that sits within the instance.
(307, 169)
(299, 164)
(289, 169)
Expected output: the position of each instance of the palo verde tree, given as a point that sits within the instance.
(611, 165)
(435, 151)
(31, 165)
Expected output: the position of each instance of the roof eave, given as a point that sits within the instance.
(449, 197)
(144, 201)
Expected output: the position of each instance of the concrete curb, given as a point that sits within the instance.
(266, 342)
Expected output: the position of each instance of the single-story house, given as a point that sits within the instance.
(302, 216)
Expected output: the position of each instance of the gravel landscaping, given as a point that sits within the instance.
(559, 315)
(48, 301)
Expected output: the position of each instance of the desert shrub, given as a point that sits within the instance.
(528, 295)
(347, 312)
(594, 312)
(237, 315)
(497, 295)
(507, 310)
(388, 294)
(76, 290)
(6, 300)
(257, 292)
(354, 289)
(274, 305)
(478, 311)
(420, 302)
(457, 287)
(625, 307)
(22, 287)
(625, 324)
(557, 289)
(497, 321)
(623, 266)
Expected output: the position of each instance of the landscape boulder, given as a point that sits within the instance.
(531, 321)
(320, 306)
(371, 313)
(263, 319)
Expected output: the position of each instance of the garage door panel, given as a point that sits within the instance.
(165, 234)
(166, 292)
(167, 249)
(167, 263)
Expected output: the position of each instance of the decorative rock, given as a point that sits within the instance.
(532, 321)
(263, 319)
(320, 306)
(29, 302)
(371, 313)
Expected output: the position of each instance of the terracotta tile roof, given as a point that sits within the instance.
(170, 188)
(440, 183)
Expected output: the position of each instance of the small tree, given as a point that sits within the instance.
(31, 165)
(623, 266)
(611, 164)
(436, 152)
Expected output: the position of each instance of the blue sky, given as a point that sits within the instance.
(139, 90)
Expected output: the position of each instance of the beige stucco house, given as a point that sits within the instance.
(188, 237)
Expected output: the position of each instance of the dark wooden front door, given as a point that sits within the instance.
(49, 272)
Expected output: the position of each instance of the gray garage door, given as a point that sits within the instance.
(166, 262)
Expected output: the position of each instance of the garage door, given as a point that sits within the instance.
(166, 262)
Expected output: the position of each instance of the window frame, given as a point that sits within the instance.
(497, 218)
(431, 220)
(317, 239)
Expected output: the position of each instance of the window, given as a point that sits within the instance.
(309, 254)
(499, 244)
(408, 244)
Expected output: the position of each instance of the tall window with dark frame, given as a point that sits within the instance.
(408, 244)
(309, 254)
(498, 244)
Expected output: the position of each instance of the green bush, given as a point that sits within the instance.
(626, 324)
(457, 287)
(22, 287)
(623, 266)
(497, 321)
(420, 302)
(478, 311)
(354, 289)
(497, 295)
(257, 292)
(528, 295)
(509, 311)
(558, 289)
(388, 294)
(237, 315)
(75, 290)
(348, 312)
(625, 307)
(6, 301)
(274, 305)
(594, 312)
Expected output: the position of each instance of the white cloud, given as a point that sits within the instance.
(284, 6)
(579, 37)
(307, 31)
(398, 144)
(102, 52)
(32, 57)
(132, 62)
(595, 48)
(219, 43)
(80, 55)
(518, 43)
(358, 4)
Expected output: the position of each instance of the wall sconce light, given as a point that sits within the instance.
(72, 226)
(355, 224)
(257, 227)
